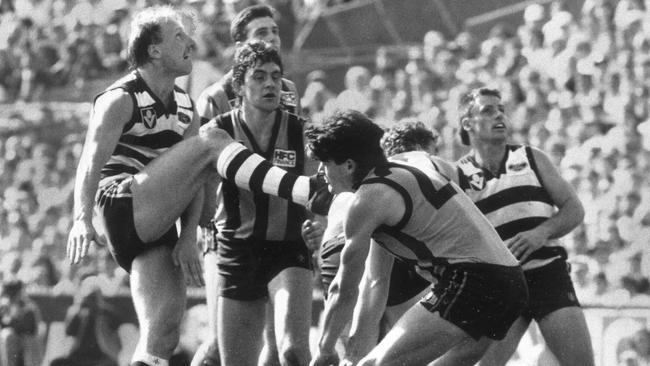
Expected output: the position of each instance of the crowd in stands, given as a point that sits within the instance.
(575, 85)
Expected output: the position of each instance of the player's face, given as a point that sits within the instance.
(264, 29)
(177, 48)
(338, 176)
(262, 85)
(488, 121)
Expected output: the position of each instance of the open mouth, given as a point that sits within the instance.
(499, 126)
(269, 96)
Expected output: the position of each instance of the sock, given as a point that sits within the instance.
(251, 172)
(146, 359)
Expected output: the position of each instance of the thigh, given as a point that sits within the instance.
(500, 352)
(157, 287)
(418, 337)
(567, 336)
(241, 273)
(239, 331)
(291, 294)
(550, 288)
(165, 187)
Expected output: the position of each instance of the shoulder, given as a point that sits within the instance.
(116, 100)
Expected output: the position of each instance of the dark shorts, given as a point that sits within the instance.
(115, 208)
(481, 299)
(549, 288)
(405, 283)
(247, 266)
(330, 259)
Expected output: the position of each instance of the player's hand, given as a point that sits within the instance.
(312, 233)
(82, 235)
(525, 243)
(325, 359)
(187, 255)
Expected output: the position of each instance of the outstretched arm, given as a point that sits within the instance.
(110, 113)
(570, 212)
(371, 304)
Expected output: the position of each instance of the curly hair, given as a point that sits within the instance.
(347, 134)
(249, 55)
(408, 135)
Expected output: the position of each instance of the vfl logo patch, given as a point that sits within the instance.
(288, 99)
(284, 158)
(148, 117)
(184, 118)
(477, 181)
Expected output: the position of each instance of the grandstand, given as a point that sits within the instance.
(576, 82)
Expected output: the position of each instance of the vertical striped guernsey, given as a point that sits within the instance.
(242, 214)
(514, 200)
(440, 225)
(151, 130)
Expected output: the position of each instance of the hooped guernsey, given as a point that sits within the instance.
(151, 130)
(514, 200)
(440, 225)
(241, 214)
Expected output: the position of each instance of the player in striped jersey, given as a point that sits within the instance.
(417, 215)
(260, 257)
(530, 205)
(255, 22)
(143, 167)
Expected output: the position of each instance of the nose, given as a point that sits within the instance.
(321, 168)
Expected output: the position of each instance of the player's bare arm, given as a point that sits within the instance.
(570, 211)
(367, 212)
(110, 113)
(371, 304)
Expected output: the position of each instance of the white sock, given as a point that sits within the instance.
(149, 359)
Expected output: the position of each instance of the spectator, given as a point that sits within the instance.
(92, 324)
(19, 343)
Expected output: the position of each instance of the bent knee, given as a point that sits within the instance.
(294, 355)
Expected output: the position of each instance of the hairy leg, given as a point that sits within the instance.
(158, 292)
(567, 336)
(291, 293)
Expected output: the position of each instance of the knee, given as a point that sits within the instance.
(8, 336)
(207, 354)
(294, 354)
(215, 136)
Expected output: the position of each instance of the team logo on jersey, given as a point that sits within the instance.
(477, 181)
(184, 118)
(284, 158)
(149, 118)
(288, 98)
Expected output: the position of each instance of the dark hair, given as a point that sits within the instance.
(465, 107)
(408, 135)
(347, 134)
(250, 54)
(12, 288)
(146, 30)
(247, 15)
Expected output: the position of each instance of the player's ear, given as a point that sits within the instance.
(350, 165)
(465, 124)
(237, 87)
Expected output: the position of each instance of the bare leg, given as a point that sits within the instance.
(269, 354)
(567, 336)
(158, 292)
(208, 353)
(9, 347)
(417, 338)
(500, 352)
(291, 291)
(240, 325)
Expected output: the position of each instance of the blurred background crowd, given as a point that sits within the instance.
(576, 85)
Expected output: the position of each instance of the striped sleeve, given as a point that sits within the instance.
(252, 172)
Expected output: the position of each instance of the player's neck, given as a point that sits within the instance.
(258, 120)
(160, 83)
(489, 155)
